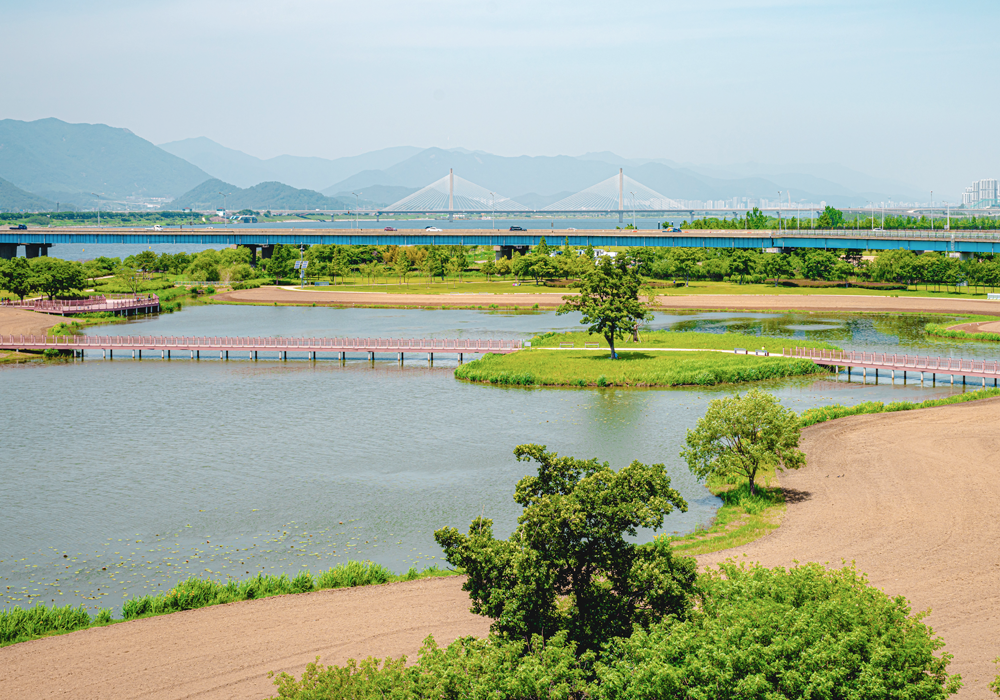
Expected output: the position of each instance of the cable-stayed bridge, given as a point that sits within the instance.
(453, 194)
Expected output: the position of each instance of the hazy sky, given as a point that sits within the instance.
(896, 89)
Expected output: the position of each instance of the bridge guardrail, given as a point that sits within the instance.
(944, 365)
(83, 342)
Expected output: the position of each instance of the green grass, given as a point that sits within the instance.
(20, 624)
(681, 339)
(942, 329)
(822, 414)
(587, 368)
(741, 519)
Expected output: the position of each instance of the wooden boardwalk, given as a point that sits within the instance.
(894, 362)
(64, 307)
(312, 347)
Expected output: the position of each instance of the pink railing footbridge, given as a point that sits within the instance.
(894, 362)
(195, 345)
(117, 304)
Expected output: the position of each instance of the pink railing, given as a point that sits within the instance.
(94, 303)
(130, 342)
(880, 360)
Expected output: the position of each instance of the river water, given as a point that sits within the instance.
(122, 477)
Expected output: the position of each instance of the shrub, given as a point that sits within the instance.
(807, 632)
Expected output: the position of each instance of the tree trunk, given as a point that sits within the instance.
(611, 344)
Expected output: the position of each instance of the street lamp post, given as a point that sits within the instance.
(633, 209)
(493, 211)
(225, 208)
(98, 208)
(357, 204)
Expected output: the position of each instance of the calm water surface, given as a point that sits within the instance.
(121, 477)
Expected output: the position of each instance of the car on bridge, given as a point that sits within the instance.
(388, 228)
(672, 229)
(19, 227)
(517, 228)
(431, 228)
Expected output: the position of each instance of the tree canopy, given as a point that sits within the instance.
(743, 435)
(568, 565)
(609, 300)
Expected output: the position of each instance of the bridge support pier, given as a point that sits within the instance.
(133, 354)
(933, 379)
(371, 356)
(8, 251)
(848, 373)
(904, 377)
(254, 355)
(399, 358)
(507, 251)
(37, 250)
(168, 354)
(864, 375)
(876, 376)
(343, 356)
(227, 354)
(430, 358)
(893, 377)
(459, 358)
(104, 354)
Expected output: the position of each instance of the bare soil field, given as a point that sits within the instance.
(802, 302)
(226, 652)
(20, 322)
(912, 498)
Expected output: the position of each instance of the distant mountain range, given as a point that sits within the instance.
(49, 162)
(66, 163)
(306, 173)
(264, 196)
(13, 198)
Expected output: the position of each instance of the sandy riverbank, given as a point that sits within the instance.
(911, 497)
(784, 302)
(20, 322)
(980, 327)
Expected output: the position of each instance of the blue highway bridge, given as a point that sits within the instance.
(37, 240)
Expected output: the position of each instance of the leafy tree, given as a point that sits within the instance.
(282, 260)
(830, 218)
(819, 265)
(456, 265)
(742, 435)
(130, 277)
(756, 219)
(54, 276)
(843, 270)
(17, 277)
(777, 265)
(488, 268)
(542, 248)
(146, 261)
(402, 265)
(568, 565)
(759, 633)
(609, 300)
(742, 263)
(504, 267)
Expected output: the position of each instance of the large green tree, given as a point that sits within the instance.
(740, 436)
(609, 300)
(569, 565)
(54, 276)
(17, 277)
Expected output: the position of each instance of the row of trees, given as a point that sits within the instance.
(834, 219)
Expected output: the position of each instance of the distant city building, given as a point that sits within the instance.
(981, 194)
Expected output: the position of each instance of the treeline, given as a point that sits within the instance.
(902, 267)
(834, 219)
(122, 218)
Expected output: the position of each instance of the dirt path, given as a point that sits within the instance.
(227, 651)
(783, 302)
(912, 497)
(18, 321)
(981, 327)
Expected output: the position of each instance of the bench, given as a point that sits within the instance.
(737, 351)
(591, 345)
(567, 345)
(993, 297)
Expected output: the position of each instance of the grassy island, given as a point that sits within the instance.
(633, 368)
(580, 359)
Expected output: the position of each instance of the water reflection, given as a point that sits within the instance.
(155, 470)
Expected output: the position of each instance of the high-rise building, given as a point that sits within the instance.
(981, 194)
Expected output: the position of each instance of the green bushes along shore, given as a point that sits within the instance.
(20, 624)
